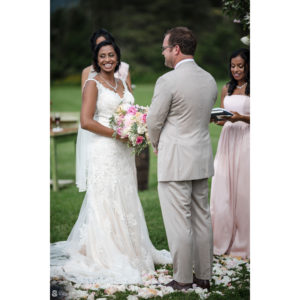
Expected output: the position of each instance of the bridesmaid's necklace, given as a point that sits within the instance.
(113, 87)
(240, 86)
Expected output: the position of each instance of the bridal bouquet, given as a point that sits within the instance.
(129, 121)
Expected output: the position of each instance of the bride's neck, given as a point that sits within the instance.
(107, 76)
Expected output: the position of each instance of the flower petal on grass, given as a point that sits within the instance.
(226, 274)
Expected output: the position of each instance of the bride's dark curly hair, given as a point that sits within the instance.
(245, 55)
(96, 51)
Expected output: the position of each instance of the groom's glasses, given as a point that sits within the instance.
(163, 48)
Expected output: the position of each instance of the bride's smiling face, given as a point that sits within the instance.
(107, 58)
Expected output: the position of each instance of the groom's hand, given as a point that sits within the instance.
(155, 151)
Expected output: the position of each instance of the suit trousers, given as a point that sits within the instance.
(187, 220)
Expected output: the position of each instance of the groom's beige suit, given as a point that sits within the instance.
(178, 122)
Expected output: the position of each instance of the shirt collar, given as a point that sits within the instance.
(183, 61)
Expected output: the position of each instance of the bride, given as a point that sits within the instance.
(109, 243)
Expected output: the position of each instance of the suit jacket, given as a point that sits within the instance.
(178, 122)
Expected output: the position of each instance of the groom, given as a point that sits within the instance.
(178, 122)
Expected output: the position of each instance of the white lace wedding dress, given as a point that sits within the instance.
(109, 243)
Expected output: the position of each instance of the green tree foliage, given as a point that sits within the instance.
(240, 11)
(138, 27)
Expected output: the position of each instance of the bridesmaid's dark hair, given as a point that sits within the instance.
(245, 55)
(100, 32)
(96, 51)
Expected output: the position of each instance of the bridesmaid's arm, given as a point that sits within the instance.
(84, 76)
(237, 117)
(223, 94)
(128, 82)
(89, 99)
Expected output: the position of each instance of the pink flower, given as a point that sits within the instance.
(119, 131)
(139, 140)
(132, 110)
(144, 117)
(119, 122)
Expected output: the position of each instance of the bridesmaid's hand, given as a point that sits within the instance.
(220, 123)
(236, 117)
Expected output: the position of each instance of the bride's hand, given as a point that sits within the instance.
(123, 140)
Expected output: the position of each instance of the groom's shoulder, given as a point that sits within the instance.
(166, 77)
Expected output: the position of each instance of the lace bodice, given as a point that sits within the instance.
(108, 101)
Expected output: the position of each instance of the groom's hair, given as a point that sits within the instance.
(184, 38)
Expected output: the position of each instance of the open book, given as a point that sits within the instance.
(218, 113)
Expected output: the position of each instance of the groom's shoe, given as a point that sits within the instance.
(204, 284)
(179, 286)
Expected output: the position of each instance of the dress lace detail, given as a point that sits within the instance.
(109, 243)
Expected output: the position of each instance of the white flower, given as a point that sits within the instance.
(245, 40)
(86, 286)
(151, 281)
(226, 279)
(147, 293)
(162, 271)
(166, 289)
(132, 297)
(76, 294)
(141, 129)
(218, 292)
(125, 106)
(91, 296)
(203, 293)
(111, 290)
(164, 279)
(121, 288)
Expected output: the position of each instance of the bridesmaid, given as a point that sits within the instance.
(89, 72)
(230, 192)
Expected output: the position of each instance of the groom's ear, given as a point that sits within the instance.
(177, 50)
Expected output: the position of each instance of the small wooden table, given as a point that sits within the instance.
(66, 135)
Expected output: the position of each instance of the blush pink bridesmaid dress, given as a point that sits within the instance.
(230, 191)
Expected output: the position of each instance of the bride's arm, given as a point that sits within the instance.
(88, 107)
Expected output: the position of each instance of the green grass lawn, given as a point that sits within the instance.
(65, 204)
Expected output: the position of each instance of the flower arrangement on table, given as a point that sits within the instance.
(129, 121)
